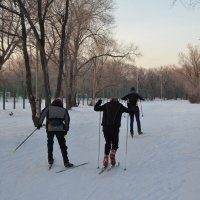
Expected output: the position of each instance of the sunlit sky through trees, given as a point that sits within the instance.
(161, 31)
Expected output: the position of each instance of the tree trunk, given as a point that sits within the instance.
(70, 88)
(28, 72)
(62, 48)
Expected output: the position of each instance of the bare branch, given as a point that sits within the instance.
(8, 9)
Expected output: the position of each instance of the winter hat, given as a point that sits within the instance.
(57, 102)
(132, 89)
(58, 99)
(114, 99)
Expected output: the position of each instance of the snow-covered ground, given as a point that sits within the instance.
(162, 164)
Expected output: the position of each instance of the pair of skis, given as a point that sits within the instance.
(75, 166)
(108, 168)
(68, 168)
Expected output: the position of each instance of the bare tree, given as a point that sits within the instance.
(9, 31)
(88, 32)
(34, 15)
(87, 23)
(191, 3)
(191, 70)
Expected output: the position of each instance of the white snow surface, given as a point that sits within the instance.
(162, 164)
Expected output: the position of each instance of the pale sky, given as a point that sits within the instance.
(161, 32)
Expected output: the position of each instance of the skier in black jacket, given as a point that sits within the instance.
(132, 103)
(57, 123)
(111, 122)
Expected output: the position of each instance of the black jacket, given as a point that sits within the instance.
(112, 112)
(132, 99)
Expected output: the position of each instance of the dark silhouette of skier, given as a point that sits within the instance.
(132, 103)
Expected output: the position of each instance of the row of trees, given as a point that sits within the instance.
(190, 3)
(61, 38)
(114, 78)
(60, 47)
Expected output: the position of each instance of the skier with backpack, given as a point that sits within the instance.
(132, 103)
(57, 124)
(111, 122)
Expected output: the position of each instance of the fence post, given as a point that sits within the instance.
(14, 99)
(24, 98)
(4, 99)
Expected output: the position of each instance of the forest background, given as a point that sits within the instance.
(67, 48)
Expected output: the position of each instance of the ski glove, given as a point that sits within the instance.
(67, 129)
(99, 102)
(39, 126)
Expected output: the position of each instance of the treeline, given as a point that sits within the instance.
(116, 78)
(64, 47)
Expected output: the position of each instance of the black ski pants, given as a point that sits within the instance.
(136, 113)
(111, 135)
(61, 141)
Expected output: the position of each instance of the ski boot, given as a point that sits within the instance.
(105, 161)
(132, 133)
(140, 132)
(112, 157)
(68, 164)
(50, 161)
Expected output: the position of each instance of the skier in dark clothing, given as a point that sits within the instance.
(111, 122)
(57, 123)
(132, 103)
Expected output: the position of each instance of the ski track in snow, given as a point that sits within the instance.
(162, 164)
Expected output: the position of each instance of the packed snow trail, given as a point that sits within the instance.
(162, 164)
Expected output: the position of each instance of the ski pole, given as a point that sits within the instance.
(126, 142)
(141, 108)
(99, 138)
(14, 151)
